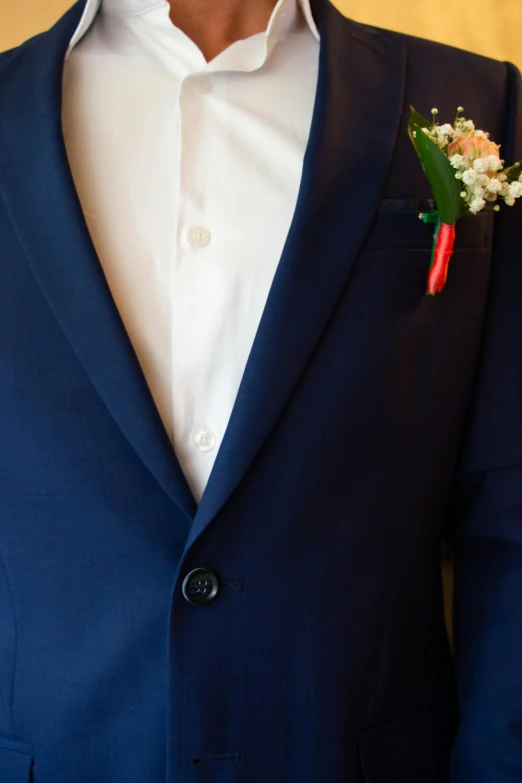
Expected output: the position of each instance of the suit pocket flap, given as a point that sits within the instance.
(404, 229)
(410, 751)
(16, 761)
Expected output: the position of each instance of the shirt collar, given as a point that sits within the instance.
(277, 26)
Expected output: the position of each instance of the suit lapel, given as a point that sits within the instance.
(40, 195)
(355, 122)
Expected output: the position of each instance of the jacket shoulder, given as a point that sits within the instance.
(11, 60)
(439, 56)
(9, 57)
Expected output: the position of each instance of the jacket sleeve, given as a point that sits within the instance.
(485, 515)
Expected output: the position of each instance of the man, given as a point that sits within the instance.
(234, 427)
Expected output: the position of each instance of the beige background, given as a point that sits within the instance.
(490, 27)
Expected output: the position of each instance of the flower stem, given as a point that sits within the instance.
(443, 242)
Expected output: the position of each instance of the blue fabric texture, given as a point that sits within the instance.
(371, 422)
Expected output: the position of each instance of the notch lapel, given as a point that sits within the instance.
(355, 123)
(39, 192)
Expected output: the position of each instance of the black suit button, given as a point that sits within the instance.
(200, 586)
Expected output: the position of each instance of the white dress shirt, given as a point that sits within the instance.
(188, 173)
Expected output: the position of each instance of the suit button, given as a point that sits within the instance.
(200, 586)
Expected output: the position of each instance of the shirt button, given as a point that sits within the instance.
(202, 84)
(199, 236)
(205, 440)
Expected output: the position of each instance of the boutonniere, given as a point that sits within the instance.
(466, 175)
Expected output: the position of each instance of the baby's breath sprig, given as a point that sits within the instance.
(477, 163)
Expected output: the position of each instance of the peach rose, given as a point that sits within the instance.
(471, 145)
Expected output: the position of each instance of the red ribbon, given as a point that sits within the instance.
(442, 253)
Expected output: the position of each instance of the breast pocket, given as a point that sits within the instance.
(16, 761)
(402, 229)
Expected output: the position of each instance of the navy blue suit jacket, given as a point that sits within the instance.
(371, 422)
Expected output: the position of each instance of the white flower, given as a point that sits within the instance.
(495, 164)
(476, 205)
(509, 201)
(490, 163)
(494, 185)
(470, 177)
(457, 161)
(515, 190)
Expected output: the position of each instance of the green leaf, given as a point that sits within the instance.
(417, 119)
(513, 172)
(441, 176)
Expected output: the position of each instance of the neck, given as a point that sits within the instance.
(214, 26)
